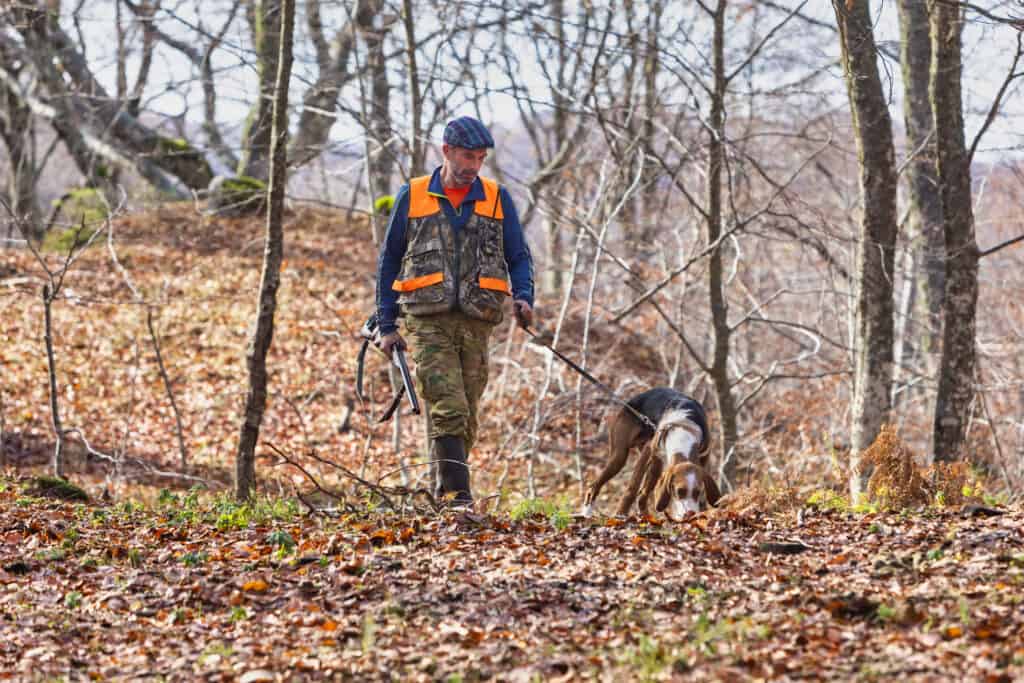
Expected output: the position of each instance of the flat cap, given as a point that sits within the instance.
(467, 132)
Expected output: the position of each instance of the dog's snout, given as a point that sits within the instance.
(683, 507)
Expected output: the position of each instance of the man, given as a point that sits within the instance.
(453, 243)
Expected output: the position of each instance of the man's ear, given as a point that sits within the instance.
(664, 491)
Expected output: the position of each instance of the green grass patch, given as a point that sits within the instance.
(558, 514)
(230, 514)
(194, 559)
(52, 554)
(649, 659)
(830, 499)
(281, 539)
(827, 499)
(73, 600)
(221, 510)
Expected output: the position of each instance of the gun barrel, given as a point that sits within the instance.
(410, 390)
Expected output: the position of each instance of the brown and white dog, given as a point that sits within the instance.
(673, 459)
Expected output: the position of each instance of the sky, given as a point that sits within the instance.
(987, 52)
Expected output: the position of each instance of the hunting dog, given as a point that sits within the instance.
(673, 459)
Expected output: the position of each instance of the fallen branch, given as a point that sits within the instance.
(379, 490)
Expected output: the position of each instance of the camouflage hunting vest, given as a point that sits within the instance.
(445, 271)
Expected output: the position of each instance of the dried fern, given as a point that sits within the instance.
(896, 480)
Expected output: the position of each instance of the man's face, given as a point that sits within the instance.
(463, 164)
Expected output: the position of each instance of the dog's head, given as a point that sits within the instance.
(681, 489)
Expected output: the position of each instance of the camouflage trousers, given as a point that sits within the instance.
(450, 350)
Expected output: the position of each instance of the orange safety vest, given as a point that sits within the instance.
(443, 270)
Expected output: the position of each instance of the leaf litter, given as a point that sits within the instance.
(480, 597)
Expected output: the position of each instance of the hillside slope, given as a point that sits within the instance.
(197, 276)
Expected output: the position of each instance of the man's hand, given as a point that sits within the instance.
(524, 314)
(391, 341)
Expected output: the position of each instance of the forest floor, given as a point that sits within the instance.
(186, 590)
(162, 576)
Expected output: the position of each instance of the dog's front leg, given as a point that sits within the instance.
(622, 433)
(654, 469)
(614, 466)
(642, 465)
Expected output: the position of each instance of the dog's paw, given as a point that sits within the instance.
(587, 511)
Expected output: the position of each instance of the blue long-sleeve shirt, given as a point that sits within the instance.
(517, 251)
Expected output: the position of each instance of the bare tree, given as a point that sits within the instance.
(380, 155)
(414, 139)
(873, 324)
(957, 362)
(270, 280)
(92, 124)
(55, 279)
(201, 58)
(265, 20)
(717, 302)
(333, 72)
(925, 218)
(18, 136)
(554, 137)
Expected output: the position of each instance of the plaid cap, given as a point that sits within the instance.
(467, 132)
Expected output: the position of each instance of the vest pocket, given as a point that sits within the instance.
(484, 295)
(422, 278)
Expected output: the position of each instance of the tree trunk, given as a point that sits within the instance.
(51, 367)
(925, 224)
(1020, 429)
(16, 134)
(321, 100)
(380, 156)
(727, 422)
(58, 110)
(957, 360)
(417, 154)
(265, 17)
(263, 331)
(873, 282)
(652, 193)
(560, 104)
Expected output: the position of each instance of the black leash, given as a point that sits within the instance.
(644, 420)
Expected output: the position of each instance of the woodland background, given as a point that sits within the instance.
(806, 215)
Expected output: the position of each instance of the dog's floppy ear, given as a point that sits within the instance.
(711, 490)
(704, 451)
(663, 490)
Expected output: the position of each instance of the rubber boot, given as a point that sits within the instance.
(453, 472)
